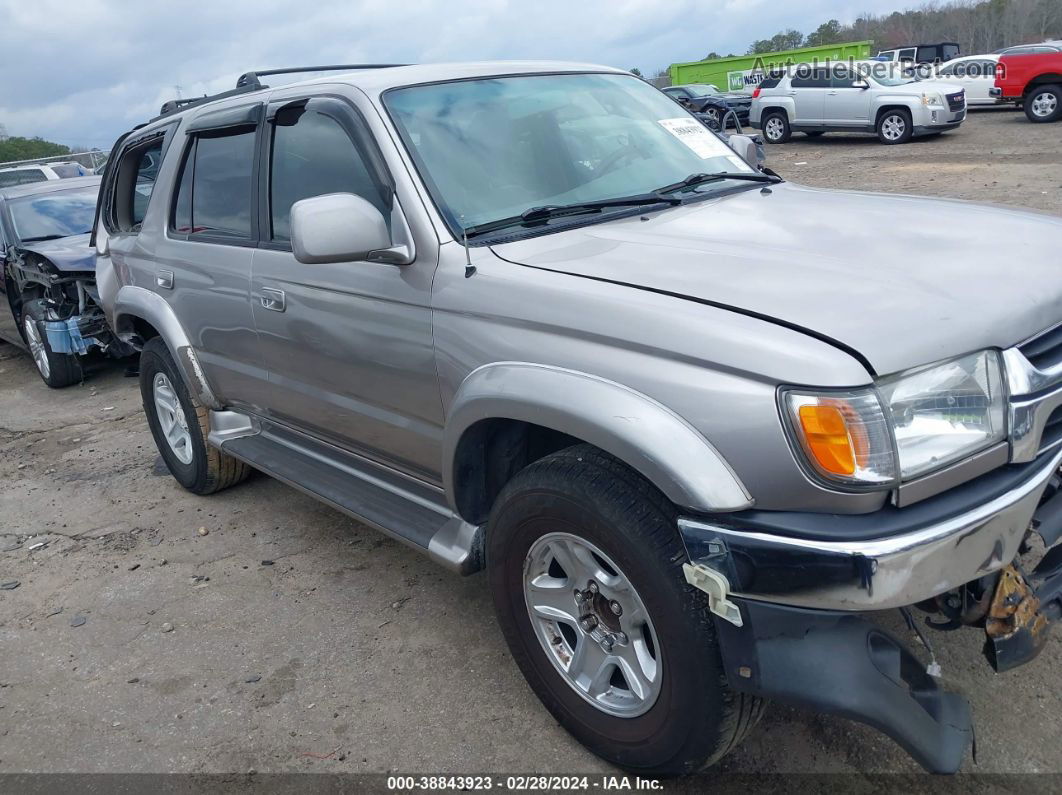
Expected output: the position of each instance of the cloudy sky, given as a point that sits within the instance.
(81, 72)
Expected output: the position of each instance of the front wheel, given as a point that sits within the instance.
(585, 568)
(57, 370)
(895, 127)
(1044, 104)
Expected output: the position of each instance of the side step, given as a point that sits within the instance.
(409, 511)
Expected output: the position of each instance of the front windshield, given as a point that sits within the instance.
(492, 148)
(702, 89)
(891, 73)
(52, 215)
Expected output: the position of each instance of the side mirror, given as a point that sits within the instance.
(863, 84)
(746, 148)
(337, 227)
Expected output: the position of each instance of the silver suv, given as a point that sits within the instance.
(861, 96)
(509, 314)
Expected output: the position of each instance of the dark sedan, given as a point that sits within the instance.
(48, 297)
(696, 96)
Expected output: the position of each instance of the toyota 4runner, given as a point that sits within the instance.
(508, 314)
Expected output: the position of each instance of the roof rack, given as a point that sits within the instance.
(249, 82)
(251, 78)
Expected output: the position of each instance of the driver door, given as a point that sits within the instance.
(848, 100)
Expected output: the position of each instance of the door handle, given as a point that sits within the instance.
(831, 93)
(273, 300)
(164, 280)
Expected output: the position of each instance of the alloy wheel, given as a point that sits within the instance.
(592, 625)
(1044, 104)
(171, 418)
(774, 129)
(893, 127)
(37, 348)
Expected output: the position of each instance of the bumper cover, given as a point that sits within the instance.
(916, 553)
(841, 664)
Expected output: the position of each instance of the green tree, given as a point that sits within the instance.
(636, 71)
(786, 40)
(713, 55)
(826, 33)
(15, 148)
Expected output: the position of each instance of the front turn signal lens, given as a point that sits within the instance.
(828, 438)
(844, 436)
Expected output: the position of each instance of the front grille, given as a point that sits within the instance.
(1044, 351)
(1052, 435)
(956, 101)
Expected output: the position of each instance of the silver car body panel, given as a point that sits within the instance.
(634, 428)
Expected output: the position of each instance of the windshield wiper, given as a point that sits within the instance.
(538, 215)
(42, 238)
(693, 180)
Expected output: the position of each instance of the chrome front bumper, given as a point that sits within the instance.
(876, 573)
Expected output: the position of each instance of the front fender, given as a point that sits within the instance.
(629, 425)
(136, 302)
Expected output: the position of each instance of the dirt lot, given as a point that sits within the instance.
(289, 638)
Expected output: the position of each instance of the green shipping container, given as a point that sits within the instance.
(744, 72)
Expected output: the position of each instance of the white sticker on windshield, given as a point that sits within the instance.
(694, 134)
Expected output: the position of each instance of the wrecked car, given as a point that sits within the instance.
(50, 305)
(508, 314)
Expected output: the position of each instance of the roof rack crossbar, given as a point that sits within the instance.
(251, 78)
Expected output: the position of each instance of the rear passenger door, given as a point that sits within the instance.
(348, 345)
(203, 268)
(808, 88)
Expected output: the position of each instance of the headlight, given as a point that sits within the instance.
(945, 412)
(903, 427)
(933, 100)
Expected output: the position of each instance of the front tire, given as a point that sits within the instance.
(57, 370)
(1044, 104)
(630, 665)
(775, 127)
(180, 425)
(895, 127)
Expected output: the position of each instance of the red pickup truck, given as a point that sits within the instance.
(1032, 80)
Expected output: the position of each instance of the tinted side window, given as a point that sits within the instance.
(769, 82)
(21, 177)
(147, 171)
(843, 78)
(214, 193)
(815, 78)
(312, 155)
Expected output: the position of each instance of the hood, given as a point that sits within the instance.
(902, 280)
(68, 254)
(921, 86)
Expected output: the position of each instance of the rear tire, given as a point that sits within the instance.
(584, 511)
(180, 425)
(57, 370)
(1044, 104)
(775, 127)
(895, 126)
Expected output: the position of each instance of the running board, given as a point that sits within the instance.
(409, 511)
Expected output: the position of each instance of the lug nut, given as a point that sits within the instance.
(588, 623)
(580, 597)
(607, 643)
(592, 587)
(621, 638)
(616, 608)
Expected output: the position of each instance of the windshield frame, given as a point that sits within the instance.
(10, 204)
(551, 225)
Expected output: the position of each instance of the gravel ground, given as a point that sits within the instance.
(285, 637)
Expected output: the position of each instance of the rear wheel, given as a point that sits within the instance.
(776, 127)
(57, 370)
(895, 127)
(1044, 104)
(180, 425)
(585, 568)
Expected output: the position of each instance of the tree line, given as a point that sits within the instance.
(979, 26)
(16, 148)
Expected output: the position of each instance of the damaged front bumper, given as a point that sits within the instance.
(786, 590)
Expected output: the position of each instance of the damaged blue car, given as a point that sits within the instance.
(49, 303)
